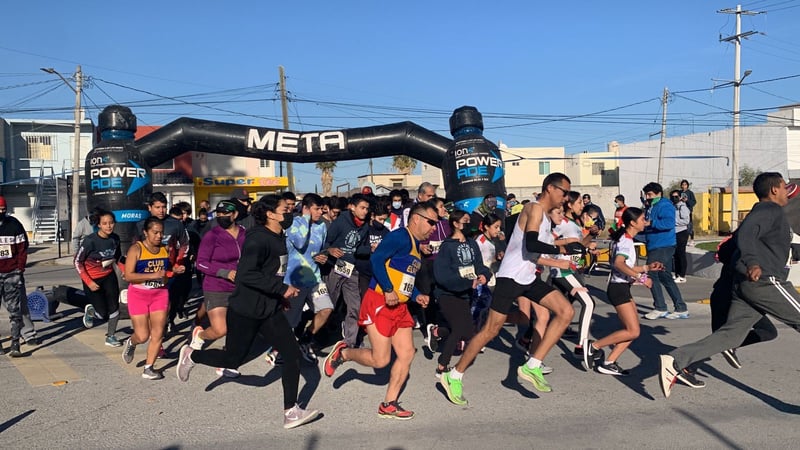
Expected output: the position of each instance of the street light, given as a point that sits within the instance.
(737, 84)
(76, 154)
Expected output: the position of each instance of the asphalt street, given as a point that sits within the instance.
(71, 391)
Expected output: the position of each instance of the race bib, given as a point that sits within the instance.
(5, 251)
(406, 285)
(344, 268)
(284, 265)
(467, 272)
(320, 291)
(434, 246)
(107, 263)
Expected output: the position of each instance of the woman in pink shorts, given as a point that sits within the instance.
(146, 268)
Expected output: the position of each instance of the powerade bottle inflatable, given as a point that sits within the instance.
(472, 167)
(117, 179)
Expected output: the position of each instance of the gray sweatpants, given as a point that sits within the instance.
(12, 294)
(348, 287)
(751, 300)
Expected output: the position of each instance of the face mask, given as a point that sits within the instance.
(491, 203)
(288, 218)
(224, 221)
(588, 223)
(397, 205)
(675, 199)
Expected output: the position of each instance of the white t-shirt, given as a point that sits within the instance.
(488, 254)
(624, 248)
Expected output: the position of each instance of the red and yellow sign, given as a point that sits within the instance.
(234, 182)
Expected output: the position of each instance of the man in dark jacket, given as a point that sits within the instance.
(346, 241)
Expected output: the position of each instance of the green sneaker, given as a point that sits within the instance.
(453, 388)
(534, 376)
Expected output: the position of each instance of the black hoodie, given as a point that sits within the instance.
(259, 277)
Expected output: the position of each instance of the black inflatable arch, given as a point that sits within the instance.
(118, 176)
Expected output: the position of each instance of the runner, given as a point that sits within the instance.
(384, 309)
(147, 266)
(760, 285)
(255, 307)
(458, 271)
(624, 272)
(219, 253)
(517, 277)
(94, 262)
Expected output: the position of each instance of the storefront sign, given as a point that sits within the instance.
(240, 181)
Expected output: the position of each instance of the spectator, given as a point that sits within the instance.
(620, 207)
(241, 198)
(682, 220)
(690, 200)
(587, 201)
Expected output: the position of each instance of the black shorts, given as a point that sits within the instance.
(507, 290)
(619, 293)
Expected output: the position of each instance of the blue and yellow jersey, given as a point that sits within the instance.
(395, 264)
(151, 263)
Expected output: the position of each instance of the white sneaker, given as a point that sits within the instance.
(656, 314)
(678, 315)
(680, 280)
(296, 416)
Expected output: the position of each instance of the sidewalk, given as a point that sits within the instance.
(48, 254)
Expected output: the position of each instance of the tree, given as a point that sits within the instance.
(404, 164)
(327, 176)
(747, 175)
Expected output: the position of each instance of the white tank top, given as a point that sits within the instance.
(518, 263)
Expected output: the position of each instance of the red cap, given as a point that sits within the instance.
(791, 189)
(2, 202)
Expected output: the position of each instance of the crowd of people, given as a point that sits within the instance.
(297, 272)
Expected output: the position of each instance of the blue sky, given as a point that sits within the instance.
(531, 68)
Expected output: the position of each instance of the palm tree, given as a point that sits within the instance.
(404, 164)
(327, 176)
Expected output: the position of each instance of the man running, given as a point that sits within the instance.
(759, 287)
(384, 308)
(517, 278)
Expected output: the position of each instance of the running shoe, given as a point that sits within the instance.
(454, 389)
(308, 353)
(393, 410)
(535, 376)
(32, 340)
(112, 341)
(733, 360)
(128, 351)
(578, 350)
(273, 357)
(678, 315)
(185, 363)
(688, 378)
(334, 359)
(15, 351)
(430, 337)
(296, 416)
(680, 280)
(667, 374)
(523, 344)
(612, 368)
(592, 357)
(151, 374)
(197, 342)
(227, 373)
(88, 316)
(656, 314)
(162, 353)
(438, 372)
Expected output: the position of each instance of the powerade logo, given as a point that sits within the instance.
(470, 165)
(112, 177)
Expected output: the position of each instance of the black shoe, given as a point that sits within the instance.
(688, 378)
(15, 352)
(308, 353)
(733, 360)
(592, 357)
(33, 340)
(578, 350)
(613, 368)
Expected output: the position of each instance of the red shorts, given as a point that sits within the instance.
(144, 301)
(386, 320)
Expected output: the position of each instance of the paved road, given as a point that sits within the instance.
(106, 404)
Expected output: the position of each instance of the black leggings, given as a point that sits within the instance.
(241, 334)
(679, 258)
(456, 311)
(105, 300)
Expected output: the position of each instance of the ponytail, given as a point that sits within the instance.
(630, 214)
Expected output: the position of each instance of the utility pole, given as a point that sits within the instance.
(285, 111)
(663, 136)
(736, 39)
(371, 177)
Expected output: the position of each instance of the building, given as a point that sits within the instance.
(383, 183)
(36, 169)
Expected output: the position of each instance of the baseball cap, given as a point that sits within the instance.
(792, 190)
(226, 206)
(240, 194)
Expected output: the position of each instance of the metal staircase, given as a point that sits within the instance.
(45, 207)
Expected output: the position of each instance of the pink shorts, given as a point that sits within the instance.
(143, 301)
(387, 320)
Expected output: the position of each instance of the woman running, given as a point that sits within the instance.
(146, 269)
(482, 296)
(219, 253)
(624, 272)
(94, 262)
(458, 270)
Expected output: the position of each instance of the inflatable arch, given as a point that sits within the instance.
(118, 175)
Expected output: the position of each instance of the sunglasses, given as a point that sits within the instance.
(560, 189)
(431, 222)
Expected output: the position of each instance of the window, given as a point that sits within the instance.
(264, 163)
(544, 167)
(597, 168)
(39, 146)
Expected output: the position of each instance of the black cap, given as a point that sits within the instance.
(226, 206)
(116, 117)
(466, 116)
